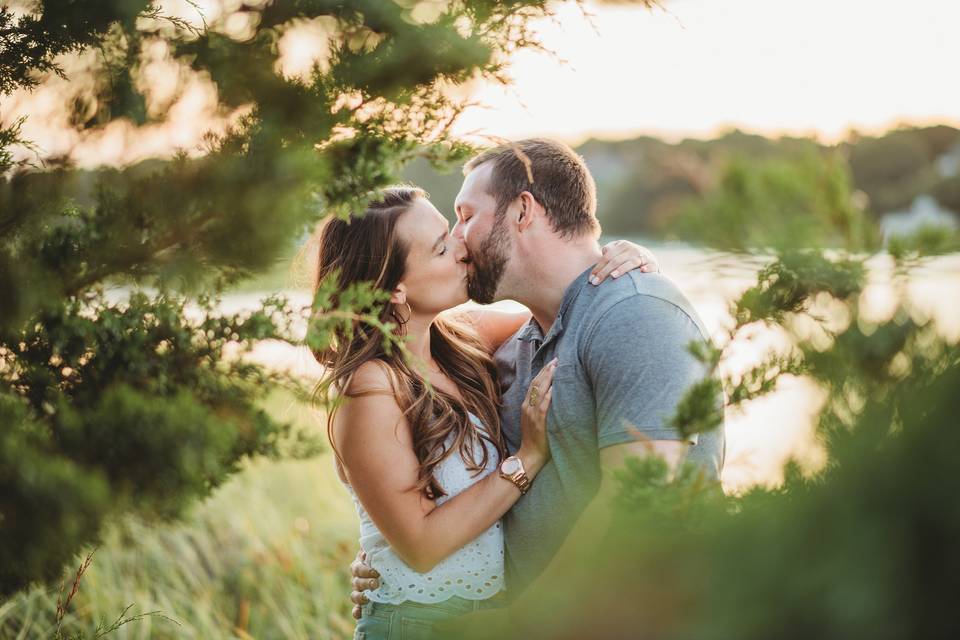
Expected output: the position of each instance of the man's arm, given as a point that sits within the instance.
(638, 361)
(639, 366)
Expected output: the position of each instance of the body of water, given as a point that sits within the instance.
(764, 433)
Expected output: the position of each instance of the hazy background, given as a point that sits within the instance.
(657, 102)
(696, 67)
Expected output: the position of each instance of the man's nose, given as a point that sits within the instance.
(457, 231)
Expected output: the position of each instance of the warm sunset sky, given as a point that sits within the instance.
(694, 68)
(764, 65)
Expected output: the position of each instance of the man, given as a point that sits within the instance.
(527, 215)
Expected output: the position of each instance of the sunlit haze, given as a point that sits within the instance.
(698, 66)
(693, 68)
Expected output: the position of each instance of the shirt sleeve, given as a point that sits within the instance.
(640, 367)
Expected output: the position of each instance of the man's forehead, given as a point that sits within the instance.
(474, 185)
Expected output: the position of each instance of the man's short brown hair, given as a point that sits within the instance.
(553, 173)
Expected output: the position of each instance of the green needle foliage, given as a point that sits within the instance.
(114, 407)
(137, 399)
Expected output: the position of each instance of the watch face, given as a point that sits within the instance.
(510, 466)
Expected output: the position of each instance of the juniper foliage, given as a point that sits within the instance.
(119, 391)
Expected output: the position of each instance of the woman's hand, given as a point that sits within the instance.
(534, 452)
(621, 256)
(534, 448)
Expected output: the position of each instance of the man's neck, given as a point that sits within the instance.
(552, 276)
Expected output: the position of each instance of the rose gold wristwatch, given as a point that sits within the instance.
(512, 469)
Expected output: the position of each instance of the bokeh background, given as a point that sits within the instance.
(660, 101)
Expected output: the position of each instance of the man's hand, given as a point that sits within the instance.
(365, 578)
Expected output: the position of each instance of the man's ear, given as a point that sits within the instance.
(524, 212)
(399, 295)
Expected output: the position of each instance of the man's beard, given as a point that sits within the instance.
(489, 263)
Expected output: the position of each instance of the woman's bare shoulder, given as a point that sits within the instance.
(368, 406)
(369, 428)
(371, 377)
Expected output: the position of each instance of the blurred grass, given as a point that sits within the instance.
(266, 556)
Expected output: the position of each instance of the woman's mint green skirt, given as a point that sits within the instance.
(416, 621)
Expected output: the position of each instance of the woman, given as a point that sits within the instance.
(417, 439)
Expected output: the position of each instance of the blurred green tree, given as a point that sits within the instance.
(130, 400)
(800, 201)
(644, 182)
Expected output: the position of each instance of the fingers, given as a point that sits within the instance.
(620, 257)
(537, 406)
(616, 264)
(627, 264)
(359, 569)
(649, 262)
(597, 274)
(607, 251)
(358, 562)
(545, 402)
(543, 378)
(541, 386)
(609, 265)
(365, 584)
(547, 372)
(364, 579)
(540, 382)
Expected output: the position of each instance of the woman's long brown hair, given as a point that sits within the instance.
(368, 249)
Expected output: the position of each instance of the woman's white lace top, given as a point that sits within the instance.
(474, 572)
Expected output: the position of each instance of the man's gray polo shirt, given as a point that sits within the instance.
(623, 367)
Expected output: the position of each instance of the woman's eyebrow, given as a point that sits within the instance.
(440, 239)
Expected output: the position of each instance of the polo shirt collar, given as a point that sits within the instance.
(530, 332)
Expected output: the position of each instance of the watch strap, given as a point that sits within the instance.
(519, 478)
(522, 481)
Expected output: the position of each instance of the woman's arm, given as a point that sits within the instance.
(495, 327)
(373, 438)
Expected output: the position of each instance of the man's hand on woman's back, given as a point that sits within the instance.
(365, 578)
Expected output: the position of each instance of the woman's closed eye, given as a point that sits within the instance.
(443, 242)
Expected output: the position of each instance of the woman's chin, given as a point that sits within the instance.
(461, 296)
(452, 302)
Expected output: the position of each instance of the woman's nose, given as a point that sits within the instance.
(459, 248)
